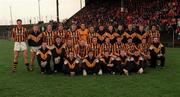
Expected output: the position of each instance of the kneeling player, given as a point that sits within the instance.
(58, 55)
(71, 65)
(91, 65)
(136, 63)
(44, 58)
(122, 62)
(157, 51)
(107, 63)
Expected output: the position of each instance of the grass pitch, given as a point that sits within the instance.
(154, 83)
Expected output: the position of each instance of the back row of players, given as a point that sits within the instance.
(86, 51)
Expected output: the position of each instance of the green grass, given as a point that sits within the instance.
(154, 83)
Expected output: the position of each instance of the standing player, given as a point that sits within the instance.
(34, 40)
(83, 33)
(49, 36)
(153, 33)
(73, 34)
(95, 47)
(61, 32)
(19, 36)
(129, 33)
(91, 35)
(100, 33)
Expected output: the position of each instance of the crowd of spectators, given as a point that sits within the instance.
(165, 14)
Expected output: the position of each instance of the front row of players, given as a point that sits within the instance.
(123, 62)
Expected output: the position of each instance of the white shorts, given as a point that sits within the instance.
(20, 46)
(34, 49)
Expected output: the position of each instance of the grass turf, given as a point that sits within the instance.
(154, 83)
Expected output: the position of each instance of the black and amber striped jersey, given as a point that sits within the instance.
(144, 48)
(91, 35)
(69, 48)
(130, 48)
(96, 48)
(49, 37)
(106, 47)
(74, 36)
(81, 51)
(61, 35)
(19, 34)
(117, 47)
(152, 35)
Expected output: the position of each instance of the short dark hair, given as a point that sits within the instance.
(19, 20)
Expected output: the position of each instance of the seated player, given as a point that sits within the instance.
(144, 50)
(69, 47)
(91, 65)
(81, 49)
(157, 51)
(44, 58)
(71, 65)
(118, 46)
(35, 41)
(130, 47)
(136, 63)
(58, 55)
(122, 63)
(107, 46)
(107, 63)
(95, 47)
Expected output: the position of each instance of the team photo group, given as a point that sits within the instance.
(88, 50)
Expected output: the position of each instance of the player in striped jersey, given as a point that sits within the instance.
(61, 32)
(69, 47)
(73, 34)
(91, 35)
(95, 47)
(49, 36)
(19, 36)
